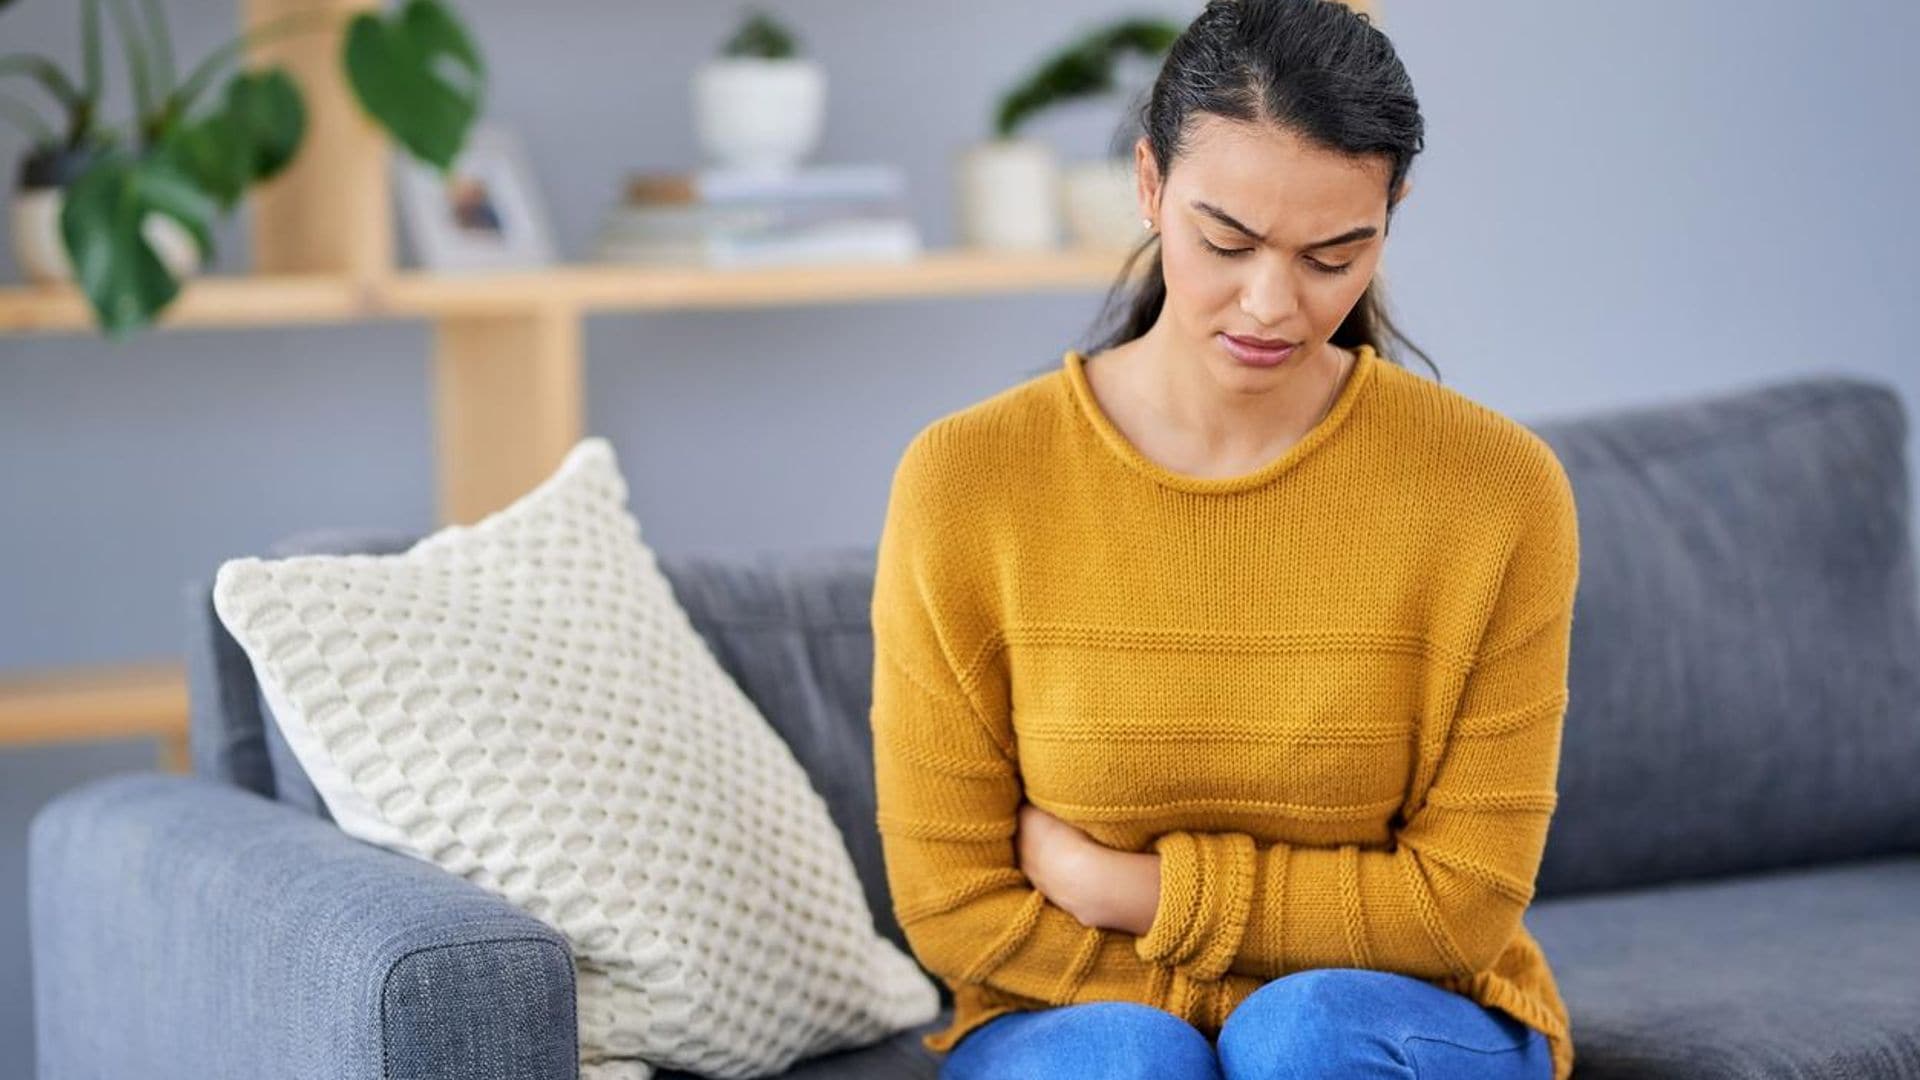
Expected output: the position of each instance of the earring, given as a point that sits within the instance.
(1147, 223)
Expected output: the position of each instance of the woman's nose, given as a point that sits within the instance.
(1268, 299)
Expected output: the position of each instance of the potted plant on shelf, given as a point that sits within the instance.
(1013, 191)
(127, 214)
(759, 104)
(57, 158)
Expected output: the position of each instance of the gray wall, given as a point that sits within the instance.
(1620, 202)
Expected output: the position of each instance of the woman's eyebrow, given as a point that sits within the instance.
(1359, 232)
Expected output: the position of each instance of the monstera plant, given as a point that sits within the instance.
(1012, 187)
(183, 161)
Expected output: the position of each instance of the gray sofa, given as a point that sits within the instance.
(1731, 886)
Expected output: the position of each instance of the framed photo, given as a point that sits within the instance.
(484, 215)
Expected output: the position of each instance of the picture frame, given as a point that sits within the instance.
(486, 214)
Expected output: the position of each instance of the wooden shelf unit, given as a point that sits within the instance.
(508, 390)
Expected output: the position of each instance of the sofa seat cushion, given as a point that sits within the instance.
(1811, 971)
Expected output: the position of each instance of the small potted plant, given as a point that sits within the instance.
(56, 158)
(1013, 191)
(759, 104)
(127, 214)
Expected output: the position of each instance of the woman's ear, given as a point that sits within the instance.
(1147, 180)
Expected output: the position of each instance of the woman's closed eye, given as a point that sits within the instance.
(1233, 252)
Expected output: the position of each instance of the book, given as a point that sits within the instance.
(727, 185)
(887, 239)
(732, 216)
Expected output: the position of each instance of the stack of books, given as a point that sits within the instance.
(734, 217)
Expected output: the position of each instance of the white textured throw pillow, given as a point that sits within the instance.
(523, 702)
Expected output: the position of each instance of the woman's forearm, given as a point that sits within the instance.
(1124, 890)
(1098, 885)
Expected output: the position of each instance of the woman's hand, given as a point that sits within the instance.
(1098, 885)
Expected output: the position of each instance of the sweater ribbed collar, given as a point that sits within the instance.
(1073, 371)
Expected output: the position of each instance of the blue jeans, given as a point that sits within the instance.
(1321, 1022)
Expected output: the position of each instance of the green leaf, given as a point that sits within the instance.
(267, 107)
(48, 74)
(123, 278)
(134, 42)
(1084, 68)
(251, 137)
(761, 36)
(208, 150)
(162, 39)
(235, 48)
(418, 74)
(90, 49)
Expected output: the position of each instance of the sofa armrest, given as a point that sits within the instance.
(181, 927)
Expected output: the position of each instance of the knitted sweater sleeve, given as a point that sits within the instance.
(946, 783)
(1448, 894)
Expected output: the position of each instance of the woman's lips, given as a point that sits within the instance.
(1252, 351)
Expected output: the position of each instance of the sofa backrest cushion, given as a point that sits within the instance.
(793, 630)
(1745, 673)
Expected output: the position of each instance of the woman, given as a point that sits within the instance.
(1219, 674)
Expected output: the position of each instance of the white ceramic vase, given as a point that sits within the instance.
(1009, 195)
(758, 113)
(1102, 205)
(42, 254)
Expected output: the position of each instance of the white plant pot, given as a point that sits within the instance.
(1009, 194)
(1102, 205)
(757, 113)
(42, 255)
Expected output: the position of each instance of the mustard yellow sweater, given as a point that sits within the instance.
(1327, 692)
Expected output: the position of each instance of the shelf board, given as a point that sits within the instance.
(212, 301)
(618, 287)
(273, 300)
(112, 701)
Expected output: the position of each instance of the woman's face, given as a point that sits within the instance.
(1267, 200)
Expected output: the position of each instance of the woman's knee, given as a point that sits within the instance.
(1332, 1022)
(1118, 1039)
(1310, 1024)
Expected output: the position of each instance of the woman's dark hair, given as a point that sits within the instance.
(1313, 67)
